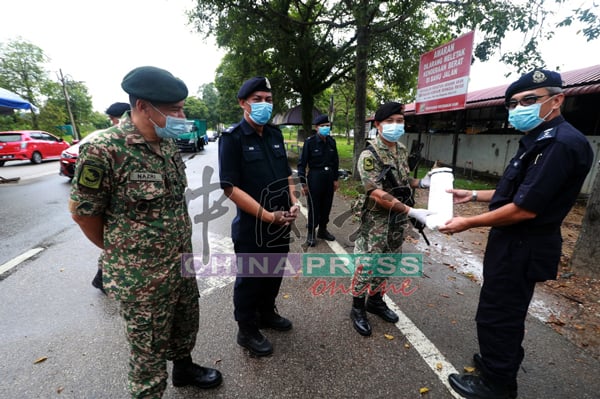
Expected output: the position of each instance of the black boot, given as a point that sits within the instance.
(376, 305)
(324, 234)
(269, 318)
(252, 339)
(474, 386)
(97, 281)
(310, 238)
(480, 366)
(359, 317)
(185, 372)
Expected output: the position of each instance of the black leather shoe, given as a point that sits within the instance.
(475, 387)
(274, 321)
(478, 362)
(310, 239)
(324, 234)
(254, 341)
(360, 321)
(97, 281)
(377, 306)
(192, 374)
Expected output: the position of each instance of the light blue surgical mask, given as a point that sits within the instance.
(392, 131)
(526, 118)
(260, 113)
(324, 130)
(174, 127)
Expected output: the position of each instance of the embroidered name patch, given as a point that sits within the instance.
(144, 176)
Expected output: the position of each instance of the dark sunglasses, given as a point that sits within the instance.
(525, 101)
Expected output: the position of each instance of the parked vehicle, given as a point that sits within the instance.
(213, 135)
(68, 157)
(195, 139)
(32, 145)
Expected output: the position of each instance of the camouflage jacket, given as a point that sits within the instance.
(140, 195)
(381, 230)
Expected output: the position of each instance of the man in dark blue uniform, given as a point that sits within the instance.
(255, 175)
(535, 193)
(320, 154)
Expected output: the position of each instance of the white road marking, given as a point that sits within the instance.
(426, 349)
(19, 259)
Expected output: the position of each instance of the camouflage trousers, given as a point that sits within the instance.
(158, 331)
(379, 232)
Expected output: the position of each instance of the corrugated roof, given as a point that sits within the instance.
(576, 82)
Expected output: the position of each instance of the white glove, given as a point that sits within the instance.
(420, 214)
(425, 182)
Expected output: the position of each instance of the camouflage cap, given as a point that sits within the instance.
(154, 84)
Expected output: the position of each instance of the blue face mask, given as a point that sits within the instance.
(526, 118)
(174, 127)
(260, 113)
(392, 131)
(324, 130)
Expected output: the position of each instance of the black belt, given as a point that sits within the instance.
(321, 168)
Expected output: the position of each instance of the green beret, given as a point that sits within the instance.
(388, 109)
(258, 83)
(533, 80)
(155, 85)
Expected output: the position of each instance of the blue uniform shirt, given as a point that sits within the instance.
(318, 154)
(259, 166)
(546, 174)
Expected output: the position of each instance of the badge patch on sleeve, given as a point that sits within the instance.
(368, 163)
(91, 176)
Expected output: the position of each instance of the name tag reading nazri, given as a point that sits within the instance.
(144, 176)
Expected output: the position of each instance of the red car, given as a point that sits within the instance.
(69, 156)
(30, 145)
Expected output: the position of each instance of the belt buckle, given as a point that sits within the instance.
(326, 168)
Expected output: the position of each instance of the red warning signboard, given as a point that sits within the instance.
(444, 76)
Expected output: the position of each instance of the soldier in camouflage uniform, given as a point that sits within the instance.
(383, 215)
(114, 112)
(128, 198)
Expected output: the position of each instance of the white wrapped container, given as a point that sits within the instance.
(440, 201)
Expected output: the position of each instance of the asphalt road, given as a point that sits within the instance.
(48, 310)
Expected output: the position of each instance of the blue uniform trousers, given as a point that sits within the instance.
(320, 199)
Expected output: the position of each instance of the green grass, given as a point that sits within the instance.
(351, 188)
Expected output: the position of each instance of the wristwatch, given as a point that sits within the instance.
(474, 196)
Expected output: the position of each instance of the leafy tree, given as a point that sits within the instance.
(296, 54)
(210, 98)
(79, 100)
(195, 108)
(22, 71)
(312, 44)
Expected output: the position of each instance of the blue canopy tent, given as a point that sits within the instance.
(10, 101)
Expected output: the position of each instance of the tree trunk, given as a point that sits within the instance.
(307, 104)
(362, 52)
(587, 248)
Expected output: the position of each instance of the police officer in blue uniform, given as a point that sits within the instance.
(535, 193)
(255, 175)
(320, 154)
